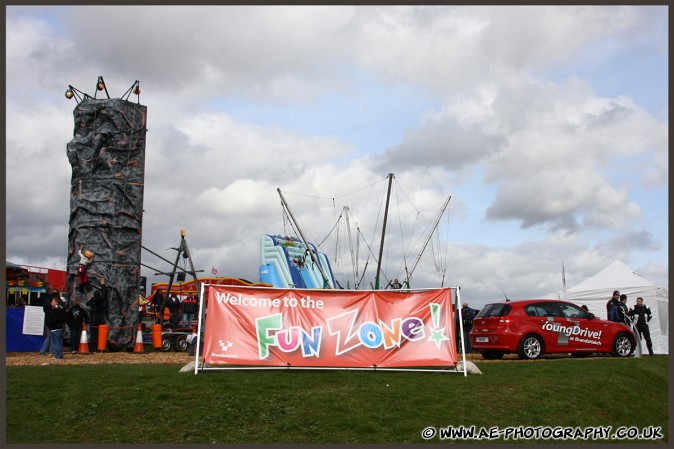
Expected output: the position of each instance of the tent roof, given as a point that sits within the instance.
(14, 266)
(615, 276)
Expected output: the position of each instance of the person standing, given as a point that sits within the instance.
(157, 303)
(643, 315)
(467, 317)
(173, 307)
(142, 307)
(55, 319)
(623, 311)
(98, 306)
(44, 301)
(189, 307)
(613, 306)
(76, 318)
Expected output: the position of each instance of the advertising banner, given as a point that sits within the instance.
(329, 328)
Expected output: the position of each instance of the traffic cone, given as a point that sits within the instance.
(84, 344)
(138, 347)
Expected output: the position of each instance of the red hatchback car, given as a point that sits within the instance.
(534, 327)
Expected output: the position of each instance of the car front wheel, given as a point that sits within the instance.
(531, 348)
(622, 346)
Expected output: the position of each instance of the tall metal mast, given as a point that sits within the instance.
(354, 258)
(430, 234)
(311, 253)
(383, 232)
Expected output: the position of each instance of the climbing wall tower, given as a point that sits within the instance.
(107, 155)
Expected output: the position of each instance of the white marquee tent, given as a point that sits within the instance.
(597, 290)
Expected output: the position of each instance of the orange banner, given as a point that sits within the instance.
(329, 328)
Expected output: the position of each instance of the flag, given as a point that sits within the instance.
(214, 271)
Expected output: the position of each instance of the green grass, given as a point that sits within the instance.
(157, 404)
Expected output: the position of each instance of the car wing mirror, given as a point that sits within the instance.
(590, 316)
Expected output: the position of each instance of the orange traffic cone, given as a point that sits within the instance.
(84, 344)
(138, 347)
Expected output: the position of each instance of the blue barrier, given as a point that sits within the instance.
(16, 341)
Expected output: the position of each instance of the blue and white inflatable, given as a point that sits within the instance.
(285, 262)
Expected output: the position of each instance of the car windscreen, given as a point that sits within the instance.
(494, 310)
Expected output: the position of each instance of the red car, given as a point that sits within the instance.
(535, 327)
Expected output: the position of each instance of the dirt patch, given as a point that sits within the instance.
(182, 358)
(99, 358)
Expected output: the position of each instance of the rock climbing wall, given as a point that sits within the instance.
(107, 155)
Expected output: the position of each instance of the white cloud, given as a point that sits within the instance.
(552, 156)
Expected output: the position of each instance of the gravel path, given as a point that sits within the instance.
(100, 358)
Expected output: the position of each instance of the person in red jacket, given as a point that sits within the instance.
(189, 309)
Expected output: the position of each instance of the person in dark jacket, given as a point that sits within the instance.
(174, 308)
(173, 304)
(611, 306)
(467, 317)
(44, 301)
(98, 306)
(76, 318)
(55, 319)
(643, 316)
(157, 303)
(624, 311)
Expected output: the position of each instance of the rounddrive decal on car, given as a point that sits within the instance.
(573, 333)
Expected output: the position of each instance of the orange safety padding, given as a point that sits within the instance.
(156, 336)
(103, 336)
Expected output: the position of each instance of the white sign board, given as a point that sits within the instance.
(33, 320)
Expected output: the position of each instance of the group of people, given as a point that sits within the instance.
(58, 316)
(640, 315)
(176, 313)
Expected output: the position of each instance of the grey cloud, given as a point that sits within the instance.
(534, 201)
(242, 49)
(627, 242)
(446, 144)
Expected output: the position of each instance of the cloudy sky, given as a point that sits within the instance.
(546, 125)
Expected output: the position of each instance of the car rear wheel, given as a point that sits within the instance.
(492, 355)
(622, 346)
(530, 348)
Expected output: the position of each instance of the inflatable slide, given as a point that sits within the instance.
(286, 262)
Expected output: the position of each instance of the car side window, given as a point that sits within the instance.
(572, 311)
(546, 309)
(534, 310)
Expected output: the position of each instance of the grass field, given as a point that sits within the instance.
(157, 404)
